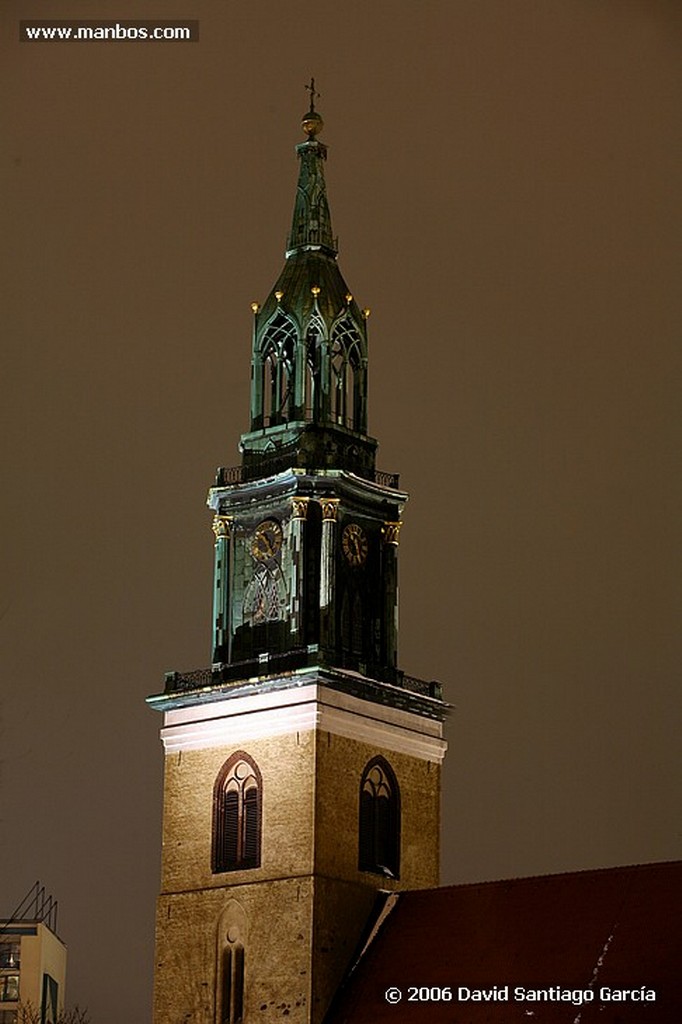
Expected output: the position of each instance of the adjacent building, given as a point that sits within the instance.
(32, 970)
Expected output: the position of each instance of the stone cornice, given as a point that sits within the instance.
(312, 706)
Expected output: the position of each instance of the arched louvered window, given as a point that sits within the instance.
(277, 359)
(379, 832)
(237, 799)
(346, 375)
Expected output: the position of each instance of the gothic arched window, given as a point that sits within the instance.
(277, 360)
(347, 375)
(237, 803)
(314, 334)
(379, 832)
(232, 984)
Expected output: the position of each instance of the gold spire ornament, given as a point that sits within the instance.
(312, 122)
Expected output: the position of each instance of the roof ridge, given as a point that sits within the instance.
(548, 875)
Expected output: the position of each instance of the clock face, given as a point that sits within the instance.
(354, 544)
(267, 540)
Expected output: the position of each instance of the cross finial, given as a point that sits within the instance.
(311, 89)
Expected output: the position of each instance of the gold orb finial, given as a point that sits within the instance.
(312, 123)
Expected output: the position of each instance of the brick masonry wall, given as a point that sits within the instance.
(300, 914)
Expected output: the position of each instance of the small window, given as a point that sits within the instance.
(9, 988)
(10, 955)
(237, 815)
(379, 832)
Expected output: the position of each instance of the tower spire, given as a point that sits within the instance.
(309, 361)
(311, 227)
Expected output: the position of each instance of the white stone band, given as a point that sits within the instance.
(301, 709)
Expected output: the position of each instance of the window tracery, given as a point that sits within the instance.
(346, 367)
(314, 334)
(277, 358)
(379, 831)
(237, 815)
(232, 936)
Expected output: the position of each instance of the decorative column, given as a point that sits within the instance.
(256, 375)
(391, 537)
(299, 514)
(330, 509)
(222, 619)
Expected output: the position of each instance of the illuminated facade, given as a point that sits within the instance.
(302, 770)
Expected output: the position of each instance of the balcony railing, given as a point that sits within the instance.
(228, 475)
(274, 664)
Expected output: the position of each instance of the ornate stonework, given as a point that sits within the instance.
(222, 526)
(299, 508)
(330, 508)
(391, 533)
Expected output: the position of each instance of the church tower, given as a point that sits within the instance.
(302, 769)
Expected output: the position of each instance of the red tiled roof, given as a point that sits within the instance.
(618, 928)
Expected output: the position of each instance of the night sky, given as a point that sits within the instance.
(504, 179)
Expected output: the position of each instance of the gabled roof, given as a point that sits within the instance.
(591, 931)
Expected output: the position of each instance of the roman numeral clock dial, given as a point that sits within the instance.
(354, 544)
(267, 540)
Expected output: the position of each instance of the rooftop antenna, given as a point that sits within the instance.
(37, 905)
